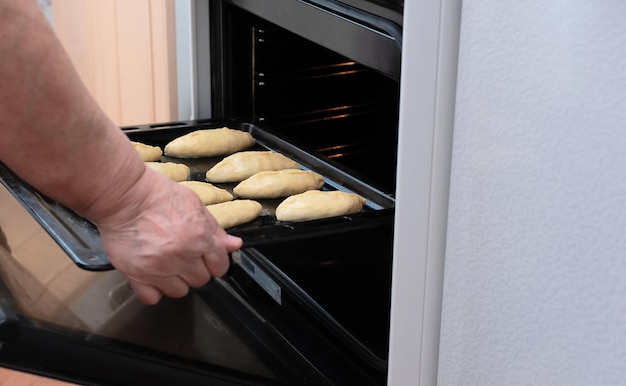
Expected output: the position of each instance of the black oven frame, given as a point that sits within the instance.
(369, 39)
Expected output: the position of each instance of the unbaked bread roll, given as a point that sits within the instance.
(209, 194)
(148, 153)
(172, 170)
(209, 143)
(278, 183)
(239, 166)
(316, 204)
(232, 213)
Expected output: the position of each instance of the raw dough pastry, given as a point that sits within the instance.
(208, 193)
(209, 143)
(171, 170)
(232, 213)
(278, 183)
(316, 204)
(148, 153)
(239, 166)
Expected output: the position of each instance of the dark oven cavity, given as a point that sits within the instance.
(325, 77)
(308, 94)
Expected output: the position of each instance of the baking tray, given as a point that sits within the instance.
(80, 239)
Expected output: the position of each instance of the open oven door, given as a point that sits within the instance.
(183, 342)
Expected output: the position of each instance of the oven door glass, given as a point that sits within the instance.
(391, 4)
(87, 327)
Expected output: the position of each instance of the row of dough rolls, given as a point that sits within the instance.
(151, 156)
(269, 175)
(205, 143)
(199, 143)
(227, 211)
(310, 205)
(260, 175)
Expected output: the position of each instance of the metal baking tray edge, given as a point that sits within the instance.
(78, 237)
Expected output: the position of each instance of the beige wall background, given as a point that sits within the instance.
(125, 52)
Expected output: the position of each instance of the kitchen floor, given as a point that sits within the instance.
(16, 378)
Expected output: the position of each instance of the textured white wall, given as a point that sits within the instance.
(535, 273)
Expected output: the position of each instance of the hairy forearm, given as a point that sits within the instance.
(54, 135)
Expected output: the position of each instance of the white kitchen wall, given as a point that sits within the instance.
(535, 271)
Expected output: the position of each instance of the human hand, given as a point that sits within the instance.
(166, 241)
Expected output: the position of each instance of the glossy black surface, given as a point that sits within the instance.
(392, 4)
(334, 299)
(209, 337)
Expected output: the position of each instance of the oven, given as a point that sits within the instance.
(303, 303)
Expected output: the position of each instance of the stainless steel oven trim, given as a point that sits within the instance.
(374, 8)
(358, 35)
(204, 69)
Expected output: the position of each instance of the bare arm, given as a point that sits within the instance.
(53, 133)
(56, 137)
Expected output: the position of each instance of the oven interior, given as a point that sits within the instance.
(337, 287)
(310, 95)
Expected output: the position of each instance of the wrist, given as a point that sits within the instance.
(128, 184)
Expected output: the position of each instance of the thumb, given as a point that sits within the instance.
(147, 294)
(233, 243)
